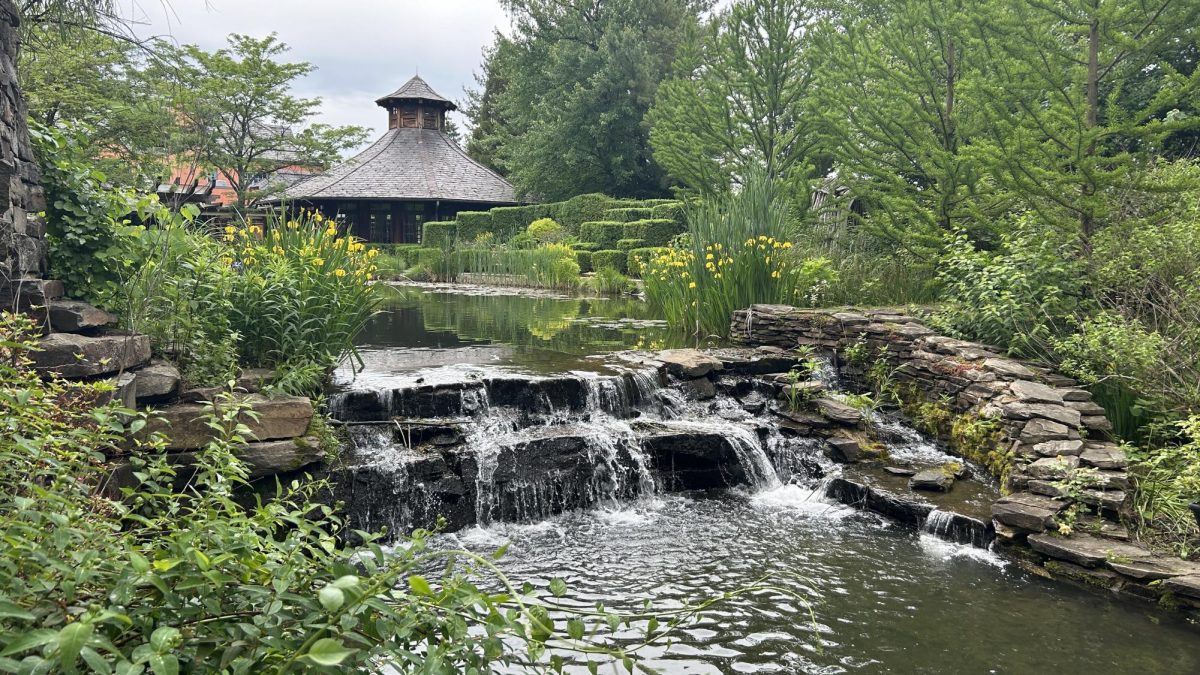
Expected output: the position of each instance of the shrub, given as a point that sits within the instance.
(580, 209)
(639, 257)
(1167, 480)
(523, 240)
(586, 246)
(670, 210)
(554, 266)
(509, 220)
(603, 232)
(584, 258)
(656, 231)
(612, 259)
(628, 213)
(433, 264)
(471, 224)
(546, 231)
(439, 234)
(630, 244)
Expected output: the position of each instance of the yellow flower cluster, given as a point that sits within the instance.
(306, 241)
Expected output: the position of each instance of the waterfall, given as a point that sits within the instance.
(957, 528)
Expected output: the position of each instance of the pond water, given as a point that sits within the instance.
(884, 598)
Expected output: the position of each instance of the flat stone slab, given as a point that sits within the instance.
(1042, 430)
(1106, 456)
(1027, 511)
(22, 294)
(1155, 567)
(1009, 368)
(1058, 448)
(273, 457)
(72, 316)
(688, 363)
(74, 356)
(1035, 392)
(1053, 468)
(839, 412)
(253, 380)
(1086, 550)
(184, 424)
(1058, 413)
(933, 480)
(1188, 585)
(157, 381)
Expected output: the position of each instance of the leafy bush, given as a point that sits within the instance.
(584, 258)
(471, 224)
(672, 210)
(603, 232)
(630, 244)
(640, 256)
(611, 259)
(523, 240)
(628, 213)
(155, 580)
(580, 209)
(439, 234)
(1167, 480)
(546, 231)
(1021, 296)
(87, 223)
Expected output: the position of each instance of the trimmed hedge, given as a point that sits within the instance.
(436, 234)
(471, 224)
(584, 258)
(656, 231)
(509, 220)
(603, 232)
(640, 256)
(580, 209)
(586, 246)
(671, 211)
(616, 260)
(628, 214)
(630, 244)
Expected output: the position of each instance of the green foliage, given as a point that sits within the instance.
(580, 209)
(627, 214)
(471, 224)
(738, 102)
(1167, 480)
(546, 231)
(88, 230)
(585, 246)
(656, 231)
(584, 259)
(566, 90)
(441, 235)
(509, 220)
(638, 258)
(609, 280)
(603, 232)
(150, 579)
(978, 439)
(1020, 297)
(395, 259)
(611, 259)
(630, 244)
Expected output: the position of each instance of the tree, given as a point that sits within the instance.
(739, 101)
(572, 90)
(896, 92)
(488, 133)
(240, 118)
(1056, 134)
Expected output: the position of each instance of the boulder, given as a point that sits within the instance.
(1104, 456)
(274, 457)
(73, 316)
(845, 449)
(124, 390)
(157, 381)
(839, 412)
(689, 363)
(186, 427)
(699, 389)
(1026, 511)
(902, 471)
(1096, 423)
(22, 294)
(252, 380)
(71, 355)
(1035, 392)
(932, 480)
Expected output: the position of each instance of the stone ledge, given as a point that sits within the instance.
(186, 428)
(72, 355)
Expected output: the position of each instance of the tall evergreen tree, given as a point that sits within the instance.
(739, 101)
(571, 92)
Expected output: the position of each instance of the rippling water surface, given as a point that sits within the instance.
(885, 599)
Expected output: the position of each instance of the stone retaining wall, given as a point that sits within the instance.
(1067, 493)
(22, 233)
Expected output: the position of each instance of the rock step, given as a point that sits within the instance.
(186, 427)
(73, 316)
(158, 381)
(76, 356)
(23, 294)
(1129, 560)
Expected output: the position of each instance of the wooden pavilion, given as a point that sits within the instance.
(413, 174)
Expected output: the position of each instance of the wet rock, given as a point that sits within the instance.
(157, 381)
(845, 450)
(1026, 511)
(839, 412)
(754, 363)
(1188, 585)
(1104, 456)
(959, 528)
(1058, 448)
(905, 509)
(1042, 430)
(688, 363)
(276, 457)
(700, 389)
(693, 460)
(1084, 549)
(71, 355)
(900, 470)
(800, 420)
(1052, 468)
(73, 316)
(933, 480)
(535, 395)
(406, 491)
(1035, 392)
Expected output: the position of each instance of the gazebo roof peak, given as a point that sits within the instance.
(415, 89)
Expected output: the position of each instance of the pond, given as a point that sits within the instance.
(883, 597)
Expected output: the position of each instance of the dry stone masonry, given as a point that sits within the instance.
(1066, 489)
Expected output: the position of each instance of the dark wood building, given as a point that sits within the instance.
(411, 175)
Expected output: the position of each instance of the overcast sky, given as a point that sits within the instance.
(362, 49)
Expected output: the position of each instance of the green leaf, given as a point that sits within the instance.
(331, 598)
(575, 629)
(71, 640)
(31, 640)
(164, 639)
(164, 664)
(419, 586)
(345, 582)
(10, 610)
(558, 587)
(328, 652)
